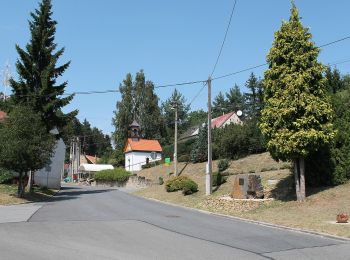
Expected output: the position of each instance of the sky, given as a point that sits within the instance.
(173, 41)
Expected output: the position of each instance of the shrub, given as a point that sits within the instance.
(5, 176)
(118, 175)
(218, 179)
(184, 158)
(223, 165)
(160, 180)
(189, 187)
(183, 183)
(151, 164)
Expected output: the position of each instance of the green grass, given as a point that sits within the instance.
(8, 194)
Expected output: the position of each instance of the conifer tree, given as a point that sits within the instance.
(235, 99)
(253, 99)
(199, 152)
(168, 111)
(38, 72)
(296, 118)
(220, 105)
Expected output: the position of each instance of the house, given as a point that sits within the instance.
(89, 159)
(218, 122)
(50, 176)
(140, 151)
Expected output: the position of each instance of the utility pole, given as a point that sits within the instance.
(208, 182)
(175, 106)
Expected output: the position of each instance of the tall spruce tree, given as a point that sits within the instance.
(334, 82)
(38, 72)
(296, 118)
(168, 111)
(235, 99)
(253, 98)
(220, 105)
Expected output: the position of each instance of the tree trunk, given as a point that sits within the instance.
(30, 182)
(302, 179)
(20, 191)
(296, 178)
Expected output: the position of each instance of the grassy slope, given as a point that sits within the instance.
(317, 213)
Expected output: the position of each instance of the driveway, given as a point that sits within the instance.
(93, 223)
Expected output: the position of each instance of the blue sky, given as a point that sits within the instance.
(172, 41)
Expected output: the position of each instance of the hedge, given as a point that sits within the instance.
(118, 175)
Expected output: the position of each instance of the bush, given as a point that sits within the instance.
(183, 183)
(118, 175)
(151, 164)
(5, 176)
(218, 179)
(160, 180)
(223, 165)
(184, 158)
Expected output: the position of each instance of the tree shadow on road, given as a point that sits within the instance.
(69, 193)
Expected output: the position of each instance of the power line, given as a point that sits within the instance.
(181, 83)
(336, 41)
(223, 42)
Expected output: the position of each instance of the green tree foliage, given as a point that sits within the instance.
(331, 164)
(138, 101)
(196, 117)
(296, 118)
(253, 98)
(168, 111)
(37, 70)
(235, 99)
(334, 82)
(25, 145)
(236, 141)
(93, 141)
(124, 113)
(199, 152)
(220, 105)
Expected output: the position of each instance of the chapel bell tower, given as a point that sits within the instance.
(134, 131)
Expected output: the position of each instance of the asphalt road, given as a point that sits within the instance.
(92, 223)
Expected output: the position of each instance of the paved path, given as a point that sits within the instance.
(18, 213)
(92, 223)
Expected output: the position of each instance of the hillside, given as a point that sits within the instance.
(317, 213)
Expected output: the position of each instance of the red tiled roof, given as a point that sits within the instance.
(92, 159)
(142, 145)
(219, 121)
(3, 115)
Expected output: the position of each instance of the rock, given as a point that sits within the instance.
(247, 186)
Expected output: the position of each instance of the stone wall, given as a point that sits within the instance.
(134, 181)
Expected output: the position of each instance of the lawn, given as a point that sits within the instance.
(318, 213)
(8, 195)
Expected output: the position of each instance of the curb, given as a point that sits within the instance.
(261, 223)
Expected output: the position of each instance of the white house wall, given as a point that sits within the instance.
(50, 176)
(134, 160)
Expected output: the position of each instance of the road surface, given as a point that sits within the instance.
(94, 223)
